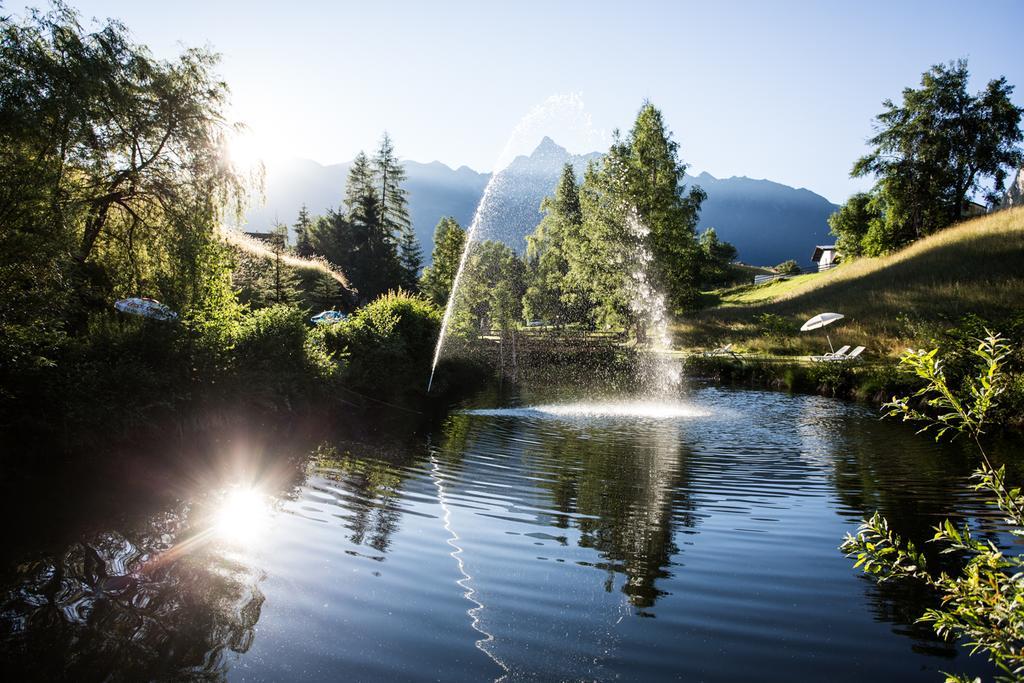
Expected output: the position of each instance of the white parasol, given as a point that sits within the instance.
(819, 321)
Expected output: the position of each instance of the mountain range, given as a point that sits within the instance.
(768, 222)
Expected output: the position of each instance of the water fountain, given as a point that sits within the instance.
(657, 373)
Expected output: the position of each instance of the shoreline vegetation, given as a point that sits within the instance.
(101, 204)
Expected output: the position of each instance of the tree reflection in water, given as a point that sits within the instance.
(624, 491)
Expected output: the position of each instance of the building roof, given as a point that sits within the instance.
(820, 250)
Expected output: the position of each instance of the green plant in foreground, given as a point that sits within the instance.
(984, 602)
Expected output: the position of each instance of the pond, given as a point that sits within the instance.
(527, 537)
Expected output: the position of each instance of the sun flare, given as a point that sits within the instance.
(242, 515)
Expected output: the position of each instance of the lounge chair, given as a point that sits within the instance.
(722, 351)
(852, 355)
(838, 354)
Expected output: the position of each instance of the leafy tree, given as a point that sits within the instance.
(716, 256)
(437, 279)
(855, 220)
(982, 603)
(303, 239)
(493, 288)
(932, 154)
(114, 183)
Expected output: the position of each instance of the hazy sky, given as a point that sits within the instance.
(779, 90)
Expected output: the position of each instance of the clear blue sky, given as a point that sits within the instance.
(779, 90)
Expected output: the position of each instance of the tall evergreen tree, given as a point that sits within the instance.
(303, 240)
(394, 209)
(549, 295)
(653, 175)
(410, 259)
(437, 279)
(372, 255)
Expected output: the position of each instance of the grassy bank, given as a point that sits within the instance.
(890, 303)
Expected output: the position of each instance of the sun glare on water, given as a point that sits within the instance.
(242, 515)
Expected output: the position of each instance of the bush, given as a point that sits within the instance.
(789, 267)
(275, 355)
(387, 346)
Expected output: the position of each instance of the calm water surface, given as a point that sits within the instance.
(528, 538)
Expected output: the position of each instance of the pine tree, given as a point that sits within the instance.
(549, 295)
(284, 283)
(410, 258)
(653, 174)
(394, 209)
(303, 240)
(437, 279)
(372, 255)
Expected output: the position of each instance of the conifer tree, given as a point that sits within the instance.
(653, 175)
(410, 259)
(394, 209)
(437, 279)
(549, 295)
(303, 240)
(371, 257)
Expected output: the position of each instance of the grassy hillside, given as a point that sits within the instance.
(890, 302)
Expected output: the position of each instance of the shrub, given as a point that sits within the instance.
(789, 267)
(387, 345)
(982, 603)
(274, 356)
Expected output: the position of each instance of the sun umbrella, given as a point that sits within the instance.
(147, 308)
(819, 321)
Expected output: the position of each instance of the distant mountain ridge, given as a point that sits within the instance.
(767, 221)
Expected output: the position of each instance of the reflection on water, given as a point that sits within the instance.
(153, 602)
(527, 538)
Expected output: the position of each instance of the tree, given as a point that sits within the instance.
(410, 260)
(370, 257)
(549, 295)
(789, 267)
(933, 153)
(653, 175)
(303, 240)
(981, 601)
(394, 210)
(716, 256)
(115, 181)
(437, 279)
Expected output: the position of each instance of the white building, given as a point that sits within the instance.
(825, 256)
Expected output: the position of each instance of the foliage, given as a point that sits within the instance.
(930, 155)
(394, 213)
(303, 239)
(716, 257)
(549, 295)
(493, 289)
(387, 345)
(115, 181)
(789, 267)
(437, 278)
(651, 180)
(983, 602)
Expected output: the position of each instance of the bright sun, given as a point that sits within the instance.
(246, 150)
